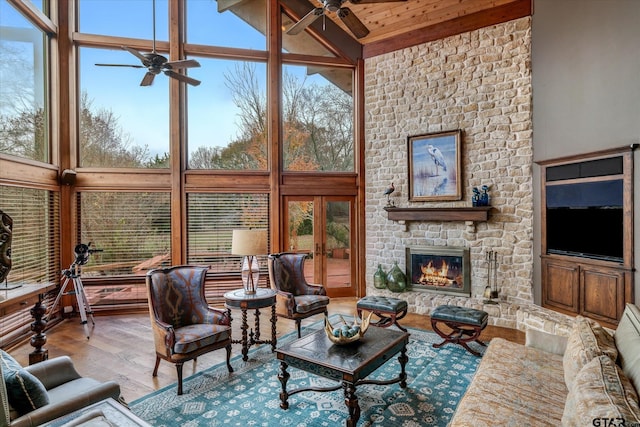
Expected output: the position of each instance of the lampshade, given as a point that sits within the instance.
(249, 242)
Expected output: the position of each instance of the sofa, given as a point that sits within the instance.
(589, 378)
(36, 394)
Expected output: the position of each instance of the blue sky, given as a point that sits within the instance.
(142, 112)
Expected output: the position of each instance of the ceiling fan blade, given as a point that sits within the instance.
(352, 22)
(306, 20)
(120, 65)
(182, 78)
(135, 53)
(183, 63)
(374, 1)
(147, 80)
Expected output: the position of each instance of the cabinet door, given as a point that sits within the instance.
(602, 292)
(560, 287)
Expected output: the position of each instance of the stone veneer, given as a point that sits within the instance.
(479, 82)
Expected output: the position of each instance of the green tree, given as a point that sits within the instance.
(24, 134)
(23, 120)
(158, 161)
(317, 125)
(103, 142)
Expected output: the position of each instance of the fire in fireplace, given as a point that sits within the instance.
(443, 269)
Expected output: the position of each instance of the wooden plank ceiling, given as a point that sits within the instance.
(397, 24)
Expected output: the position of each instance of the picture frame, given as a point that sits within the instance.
(435, 166)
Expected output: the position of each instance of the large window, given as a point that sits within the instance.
(122, 124)
(132, 234)
(228, 116)
(24, 111)
(132, 230)
(317, 119)
(35, 243)
(133, 148)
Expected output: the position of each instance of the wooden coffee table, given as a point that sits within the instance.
(349, 364)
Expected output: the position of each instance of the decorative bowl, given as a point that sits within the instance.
(346, 334)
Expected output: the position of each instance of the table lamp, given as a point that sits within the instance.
(249, 243)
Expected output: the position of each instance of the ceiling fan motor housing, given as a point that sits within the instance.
(154, 61)
(333, 5)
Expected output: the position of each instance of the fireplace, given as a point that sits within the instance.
(443, 269)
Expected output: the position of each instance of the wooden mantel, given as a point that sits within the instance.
(476, 214)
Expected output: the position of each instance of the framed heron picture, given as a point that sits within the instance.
(435, 166)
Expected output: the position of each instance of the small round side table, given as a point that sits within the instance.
(237, 299)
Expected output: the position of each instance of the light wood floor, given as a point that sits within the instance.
(121, 346)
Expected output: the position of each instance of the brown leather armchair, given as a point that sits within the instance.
(66, 392)
(184, 326)
(295, 298)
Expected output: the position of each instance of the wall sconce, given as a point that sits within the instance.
(249, 243)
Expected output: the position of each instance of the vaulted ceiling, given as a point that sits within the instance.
(397, 24)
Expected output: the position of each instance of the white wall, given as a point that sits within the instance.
(586, 88)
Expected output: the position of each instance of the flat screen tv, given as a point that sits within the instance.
(589, 232)
(585, 219)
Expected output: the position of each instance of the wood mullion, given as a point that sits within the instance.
(177, 149)
(65, 87)
(35, 15)
(225, 52)
(27, 173)
(360, 231)
(274, 139)
(93, 40)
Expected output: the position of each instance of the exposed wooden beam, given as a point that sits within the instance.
(326, 29)
(474, 21)
(224, 5)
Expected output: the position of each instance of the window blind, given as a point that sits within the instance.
(35, 249)
(35, 242)
(132, 230)
(211, 219)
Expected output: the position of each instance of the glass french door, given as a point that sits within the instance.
(323, 227)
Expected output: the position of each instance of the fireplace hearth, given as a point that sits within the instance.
(442, 269)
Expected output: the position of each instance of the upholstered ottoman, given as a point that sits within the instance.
(388, 309)
(466, 324)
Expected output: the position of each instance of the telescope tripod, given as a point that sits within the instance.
(72, 275)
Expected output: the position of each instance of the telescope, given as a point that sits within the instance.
(82, 252)
(72, 276)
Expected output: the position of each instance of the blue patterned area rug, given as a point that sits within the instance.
(436, 380)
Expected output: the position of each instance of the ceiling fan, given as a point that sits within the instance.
(344, 13)
(156, 63)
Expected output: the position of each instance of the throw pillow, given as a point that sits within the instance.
(627, 337)
(601, 391)
(586, 341)
(25, 391)
(546, 342)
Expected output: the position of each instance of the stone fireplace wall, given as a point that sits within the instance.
(479, 82)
